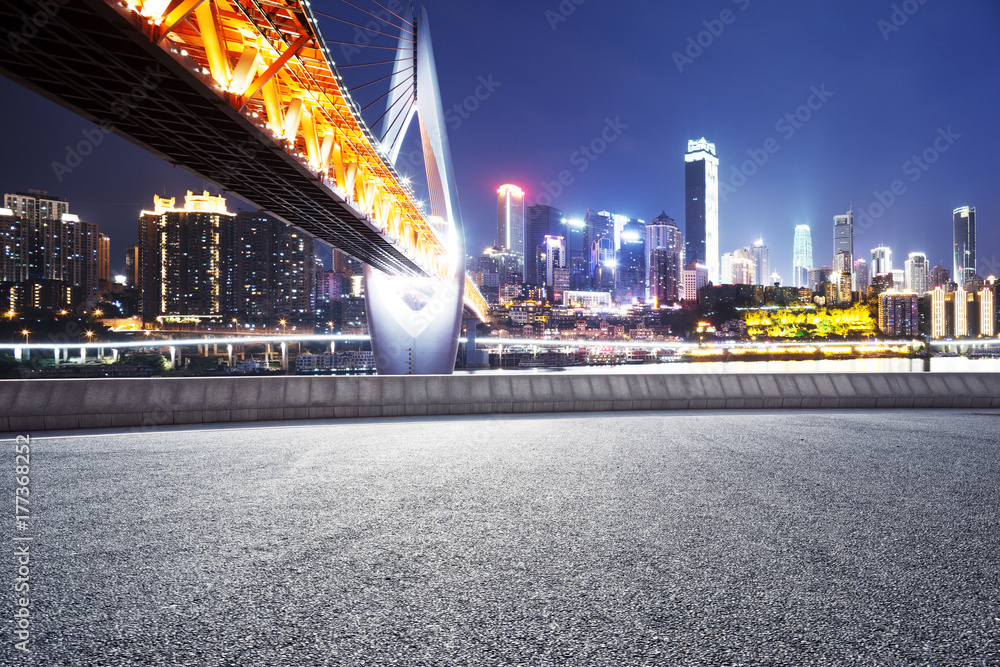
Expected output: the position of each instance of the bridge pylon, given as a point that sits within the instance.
(415, 322)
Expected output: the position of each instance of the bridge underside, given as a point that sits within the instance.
(91, 60)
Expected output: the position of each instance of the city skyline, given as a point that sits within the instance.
(793, 186)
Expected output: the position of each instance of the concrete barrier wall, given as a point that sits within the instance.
(34, 405)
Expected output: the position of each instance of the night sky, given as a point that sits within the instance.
(563, 78)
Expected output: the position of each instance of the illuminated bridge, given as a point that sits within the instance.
(245, 94)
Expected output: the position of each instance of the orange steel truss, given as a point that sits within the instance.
(267, 59)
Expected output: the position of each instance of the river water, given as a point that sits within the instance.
(938, 365)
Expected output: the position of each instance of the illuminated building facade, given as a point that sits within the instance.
(186, 257)
(510, 220)
(599, 245)
(701, 192)
(964, 219)
(817, 276)
(274, 271)
(917, 272)
(664, 260)
(761, 257)
(14, 258)
(899, 314)
(861, 276)
(987, 313)
(632, 262)
(542, 221)
(802, 256)
(103, 259)
(939, 327)
(939, 276)
(695, 277)
(843, 239)
(132, 266)
(47, 242)
(575, 232)
(593, 301)
(881, 260)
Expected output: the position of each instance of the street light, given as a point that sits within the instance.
(98, 313)
(25, 332)
(90, 335)
(283, 324)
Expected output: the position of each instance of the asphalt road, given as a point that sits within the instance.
(626, 539)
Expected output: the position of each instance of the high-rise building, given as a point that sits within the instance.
(186, 257)
(510, 220)
(50, 243)
(14, 244)
(761, 257)
(701, 188)
(881, 260)
(938, 321)
(132, 266)
(899, 314)
(817, 276)
(555, 272)
(802, 256)
(843, 238)
(965, 244)
(917, 273)
(987, 312)
(664, 260)
(899, 279)
(600, 245)
(861, 277)
(632, 262)
(276, 272)
(103, 258)
(939, 276)
(695, 277)
(541, 221)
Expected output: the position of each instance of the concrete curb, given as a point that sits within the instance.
(36, 405)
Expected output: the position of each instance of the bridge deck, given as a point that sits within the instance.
(90, 59)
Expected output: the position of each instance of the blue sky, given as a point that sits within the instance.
(560, 78)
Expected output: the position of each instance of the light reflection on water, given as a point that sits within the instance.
(938, 365)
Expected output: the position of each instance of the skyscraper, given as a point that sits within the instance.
(965, 244)
(541, 221)
(917, 272)
(510, 219)
(881, 261)
(632, 262)
(600, 247)
(861, 278)
(802, 256)
(185, 257)
(701, 191)
(761, 257)
(103, 258)
(664, 260)
(843, 238)
(50, 243)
